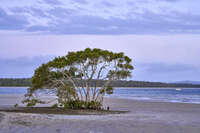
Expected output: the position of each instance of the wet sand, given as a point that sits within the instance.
(143, 117)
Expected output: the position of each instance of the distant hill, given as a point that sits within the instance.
(189, 82)
(120, 83)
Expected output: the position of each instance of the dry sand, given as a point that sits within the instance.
(144, 117)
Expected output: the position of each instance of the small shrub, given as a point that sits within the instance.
(55, 105)
(77, 104)
(66, 106)
(32, 102)
(93, 105)
(16, 105)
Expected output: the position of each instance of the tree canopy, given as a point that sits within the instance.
(71, 76)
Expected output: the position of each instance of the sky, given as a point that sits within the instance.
(161, 36)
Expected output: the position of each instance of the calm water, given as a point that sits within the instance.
(13, 90)
(158, 94)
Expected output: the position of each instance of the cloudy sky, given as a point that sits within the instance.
(161, 36)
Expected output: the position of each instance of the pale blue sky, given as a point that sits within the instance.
(161, 36)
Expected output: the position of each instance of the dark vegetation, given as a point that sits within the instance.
(27, 82)
(15, 82)
(51, 110)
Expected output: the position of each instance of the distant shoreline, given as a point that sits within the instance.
(26, 82)
(15, 86)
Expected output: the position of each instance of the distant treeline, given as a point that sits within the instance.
(151, 84)
(27, 82)
(15, 82)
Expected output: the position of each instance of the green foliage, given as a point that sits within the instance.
(66, 93)
(74, 104)
(77, 104)
(55, 105)
(72, 75)
(93, 105)
(40, 78)
(16, 105)
(66, 106)
(109, 90)
(93, 57)
(32, 102)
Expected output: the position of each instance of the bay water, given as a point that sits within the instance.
(181, 95)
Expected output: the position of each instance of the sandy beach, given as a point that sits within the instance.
(143, 117)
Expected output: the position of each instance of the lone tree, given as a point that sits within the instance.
(76, 77)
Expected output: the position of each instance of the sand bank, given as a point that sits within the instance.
(144, 117)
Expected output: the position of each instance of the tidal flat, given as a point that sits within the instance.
(142, 117)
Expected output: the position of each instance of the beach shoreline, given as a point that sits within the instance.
(143, 117)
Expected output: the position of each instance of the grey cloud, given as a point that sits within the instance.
(145, 23)
(80, 1)
(168, 0)
(107, 4)
(165, 72)
(148, 23)
(165, 68)
(37, 28)
(62, 12)
(12, 22)
(30, 10)
(53, 2)
(71, 21)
